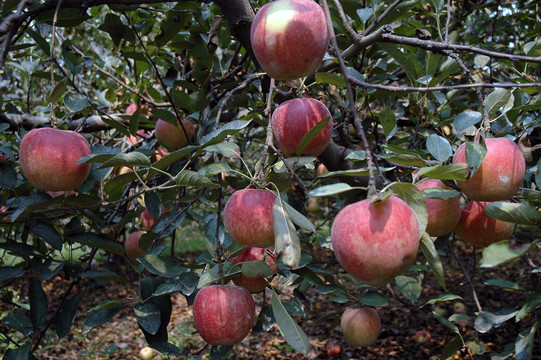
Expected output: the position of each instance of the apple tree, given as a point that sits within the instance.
(382, 128)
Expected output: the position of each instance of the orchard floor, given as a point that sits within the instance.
(122, 339)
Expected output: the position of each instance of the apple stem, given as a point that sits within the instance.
(351, 96)
(260, 173)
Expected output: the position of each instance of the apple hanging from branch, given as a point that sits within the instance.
(49, 158)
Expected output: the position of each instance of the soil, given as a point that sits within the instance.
(120, 338)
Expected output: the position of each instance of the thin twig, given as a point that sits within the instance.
(380, 18)
(351, 96)
(260, 173)
(468, 279)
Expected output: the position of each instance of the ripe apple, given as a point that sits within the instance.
(147, 221)
(131, 109)
(133, 250)
(223, 314)
(173, 137)
(374, 242)
(322, 169)
(361, 327)
(443, 215)
(422, 336)
(248, 217)
(146, 353)
(478, 229)
(49, 159)
(500, 174)
(289, 38)
(333, 349)
(253, 284)
(293, 119)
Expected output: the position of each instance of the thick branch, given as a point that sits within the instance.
(85, 124)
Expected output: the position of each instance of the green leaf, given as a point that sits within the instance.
(191, 178)
(525, 342)
(330, 78)
(409, 287)
(353, 172)
(438, 193)
(450, 349)
(116, 29)
(401, 59)
(431, 254)
(76, 102)
(65, 317)
(387, 119)
(59, 90)
(475, 153)
(446, 322)
(134, 158)
(253, 269)
(166, 348)
(439, 147)
(66, 17)
(487, 320)
(518, 213)
(532, 303)
(100, 317)
(40, 41)
(501, 253)
(153, 204)
(10, 272)
(214, 168)
(310, 135)
(465, 121)
(299, 219)
(442, 298)
(496, 99)
(98, 241)
(219, 135)
(373, 298)
(148, 317)
(103, 275)
(286, 240)
(19, 322)
(289, 329)
(38, 304)
(165, 266)
(48, 233)
(446, 172)
(21, 353)
(504, 284)
(415, 199)
(328, 190)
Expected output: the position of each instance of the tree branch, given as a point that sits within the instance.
(85, 124)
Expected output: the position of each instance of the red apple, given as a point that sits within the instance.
(422, 336)
(289, 38)
(133, 250)
(49, 159)
(333, 349)
(443, 215)
(361, 327)
(253, 284)
(374, 242)
(131, 109)
(478, 229)
(173, 137)
(500, 174)
(248, 217)
(293, 119)
(147, 221)
(223, 314)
